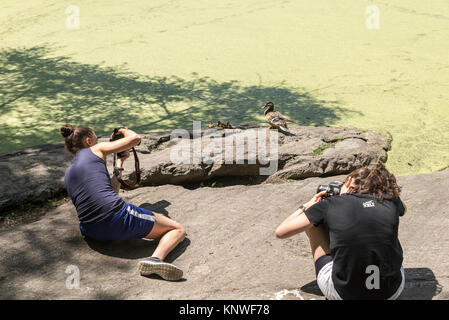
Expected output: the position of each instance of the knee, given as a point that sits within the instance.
(182, 232)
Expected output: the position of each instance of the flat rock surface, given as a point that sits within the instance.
(230, 251)
(37, 173)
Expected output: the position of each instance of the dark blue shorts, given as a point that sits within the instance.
(130, 223)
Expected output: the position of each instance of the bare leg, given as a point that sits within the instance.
(170, 232)
(319, 241)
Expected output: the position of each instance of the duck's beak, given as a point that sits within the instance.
(264, 106)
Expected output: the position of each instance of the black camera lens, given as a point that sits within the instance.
(332, 189)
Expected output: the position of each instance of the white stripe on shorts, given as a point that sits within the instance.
(324, 280)
(139, 215)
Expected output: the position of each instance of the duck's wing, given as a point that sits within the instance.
(275, 119)
(280, 115)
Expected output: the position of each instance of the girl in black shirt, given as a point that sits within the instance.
(354, 236)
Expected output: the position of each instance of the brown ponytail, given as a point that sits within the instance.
(74, 137)
(376, 181)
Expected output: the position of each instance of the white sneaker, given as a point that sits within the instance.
(163, 269)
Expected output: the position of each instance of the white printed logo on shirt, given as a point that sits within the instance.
(368, 204)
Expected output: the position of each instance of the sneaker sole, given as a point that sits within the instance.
(165, 270)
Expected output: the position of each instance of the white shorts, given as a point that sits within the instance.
(324, 280)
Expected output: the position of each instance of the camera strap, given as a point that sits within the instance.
(118, 172)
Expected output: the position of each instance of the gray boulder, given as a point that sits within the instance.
(32, 174)
(304, 152)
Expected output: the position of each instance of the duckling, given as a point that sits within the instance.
(276, 119)
(223, 125)
(211, 124)
(229, 125)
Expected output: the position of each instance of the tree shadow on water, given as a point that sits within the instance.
(41, 92)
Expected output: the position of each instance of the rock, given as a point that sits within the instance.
(32, 174)
(36, 174)
(307, 152)
(230, 251)
(337, 151)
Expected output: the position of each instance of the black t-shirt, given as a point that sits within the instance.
(363, 236)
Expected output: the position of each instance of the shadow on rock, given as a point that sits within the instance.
(312, 288)
(179, 250)
(226, 181)
(420, 284)
(158, 207)
(130, 249)
(156, 277)
(134, 249)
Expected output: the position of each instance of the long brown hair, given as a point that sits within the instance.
(74, 137)
(377, 181)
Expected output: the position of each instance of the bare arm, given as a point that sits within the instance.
(295, 223)
(298, 221)
(130, 140)
(102, 149)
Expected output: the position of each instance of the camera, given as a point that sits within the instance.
(332, 189)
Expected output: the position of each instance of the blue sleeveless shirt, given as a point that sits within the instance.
(89, 186)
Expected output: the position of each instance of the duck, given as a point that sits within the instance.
(276, 119)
